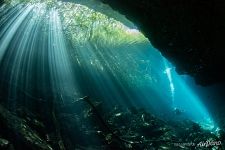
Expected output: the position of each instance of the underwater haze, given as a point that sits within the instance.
(74, 78)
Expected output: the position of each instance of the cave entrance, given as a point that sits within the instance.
(54, 54)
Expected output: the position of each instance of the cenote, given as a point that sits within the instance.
(75, 77)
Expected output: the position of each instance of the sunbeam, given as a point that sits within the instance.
(75, 78)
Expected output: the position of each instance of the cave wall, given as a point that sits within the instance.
(190, 33)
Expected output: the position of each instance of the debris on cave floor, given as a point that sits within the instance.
(133, 129)
(97, 129)
(19, 132)
(5, 145)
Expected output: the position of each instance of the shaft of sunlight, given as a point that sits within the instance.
(60, 69)
(186, 100)
(169, 76)
(11, 27)
(71, 49)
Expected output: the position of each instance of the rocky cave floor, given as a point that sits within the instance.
(96, 129)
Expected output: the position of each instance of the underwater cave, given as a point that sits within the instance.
(110, 75)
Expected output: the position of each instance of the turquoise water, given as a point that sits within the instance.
(39, 61)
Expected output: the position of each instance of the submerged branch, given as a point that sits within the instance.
(87, 99)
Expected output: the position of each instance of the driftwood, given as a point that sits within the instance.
(21, 131)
